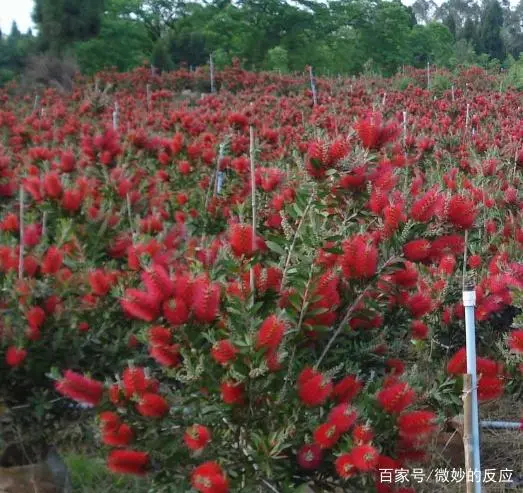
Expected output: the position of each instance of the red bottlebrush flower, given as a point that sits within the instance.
(52, 261)
(135, 383)
(32, 235)
(152, 406)
(14, 356)
(167, 355)
(309, 457)
(139, 304)
(396, 366)
(224, 352)
(490, 387)
(109, 420)
(515, 341)
(458, 363)
(326, 435)
(347, 388)
(314, 388)
(343, 416)
(205, 300)
(360, 257)
(241, 240)
(270, 333)
(416, 423)
(159, 336)
(419, 305)
(197, 437)
(128, 462)
(35, 317)
(373, 134)
(232, 392)
(209, 478)
(447, 264)
(120, 435)
(417, 250)
(80, 388)
(406, 277)
(10, 223)
(364, 457)
(424, 209)
(461, 212)
(486, 366)
(345, 466)
(396, 398)
(100, 282)
(420, 331)
(362, 434)
(52, 185)
(175, 311)
(72, 200)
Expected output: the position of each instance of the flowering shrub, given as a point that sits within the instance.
(312, 335)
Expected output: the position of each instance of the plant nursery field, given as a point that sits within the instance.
(259, 289)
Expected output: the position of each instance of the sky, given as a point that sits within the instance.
(15, 10)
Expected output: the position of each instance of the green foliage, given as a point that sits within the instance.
(515, 75)
(490, 30)
(61, 22)
(278, 59)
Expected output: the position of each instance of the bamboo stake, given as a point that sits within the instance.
(211, 69)
(313, 87)
(467, 431)
(21, 221)
(253, 200)
(149, 97)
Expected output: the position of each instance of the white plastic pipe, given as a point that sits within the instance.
(469, 302)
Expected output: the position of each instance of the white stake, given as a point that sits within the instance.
(428, 75)
(469, 302)
(149, 97)
(211, 68)
(453, 95)
(313, 87)
(116, 116)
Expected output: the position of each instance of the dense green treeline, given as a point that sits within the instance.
(337, 36)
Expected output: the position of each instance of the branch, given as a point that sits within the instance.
(351, 309)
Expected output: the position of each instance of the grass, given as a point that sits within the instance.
(89, 475)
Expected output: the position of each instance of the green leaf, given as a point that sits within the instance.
(275, 247)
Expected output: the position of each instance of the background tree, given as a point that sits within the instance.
(62, 22)
(490, 39)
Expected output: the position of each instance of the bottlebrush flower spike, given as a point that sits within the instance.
(458, 363)
(360, 257)
(345, 466)
(232, 392)
(52, 261)
(14, 357)
(364, 457)
(314, 388)
(426, 207)
(152, 405)
(515, 341)
(309, 457)
(415, 423)
(396, 398)
(100, 282)
(80, 388)
(175, 311)
(128, 462)
(343, 416)
(135, 382)
(196, 437)
(270, 333)
(241, 240)
(326, 435)
(224, 352)
(373, 134)
(119, 435)
(362, 434)
(205, 300)
(490, 387)
(347, 389)
(141, 305)
(461, 212)
(209, 478)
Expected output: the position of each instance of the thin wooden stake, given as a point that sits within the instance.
(313, 87)
(211, 69)
(467, 432)
(21, 221)
(149, 97)
(253, 199)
